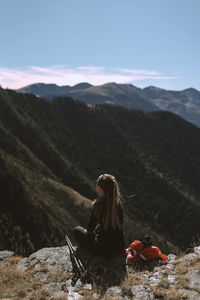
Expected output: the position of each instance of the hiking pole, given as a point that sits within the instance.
(81, 272)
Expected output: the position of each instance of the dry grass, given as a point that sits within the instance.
(164, 283)
(182, 282)
(171, 294)
(58, 276)
(174, 294)
(132, 278)
(86, 294)
(41, 294)
(108, 297)
(17, 284)
(60, 297)
(14, 260)
(14, 282)
(182, 268)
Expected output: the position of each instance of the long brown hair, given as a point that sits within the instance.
(107, 205)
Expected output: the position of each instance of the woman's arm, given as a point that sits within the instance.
(92, 223)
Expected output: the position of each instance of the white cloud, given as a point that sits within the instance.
(134, 71)
(64, 75)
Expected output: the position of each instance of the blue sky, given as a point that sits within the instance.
(143, 42)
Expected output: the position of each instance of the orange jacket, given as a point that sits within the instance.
(136, 251)
(152, 252)
(132, 253)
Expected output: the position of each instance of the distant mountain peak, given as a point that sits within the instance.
(111, 84)
(192, 90)
(82, 85)
(37, 85)
(152, 88)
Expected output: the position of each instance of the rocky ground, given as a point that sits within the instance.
(47, 273)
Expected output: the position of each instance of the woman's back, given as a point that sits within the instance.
(104, 235)
(108, 241)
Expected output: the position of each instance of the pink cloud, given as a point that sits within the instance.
(64, 75)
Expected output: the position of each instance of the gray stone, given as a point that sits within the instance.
(156, 278)
(88, 286)
(33, 262)
(23, 264)
(142, 292)
(197, 250)
(188, 258)
(144, 278)
(74, 296)
(57, 294)
(42, 275)
(69, 287)
(96, 296)
(170, 267)
(5, 255)
(54, 287)
(191, 295)
(171, 258)
(53, 259)
(114, 291)
(172, 278)
(78, 284)
(194, 279)
(37, 266)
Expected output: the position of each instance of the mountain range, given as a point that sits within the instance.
(185, 103)
(52, 151)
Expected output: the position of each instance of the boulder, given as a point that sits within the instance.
(197, 250)
(194, 279)
(171, 258)
(54, 259)
(5, 255)
(54, 287)
(74, 296)
(155, 278)
(191, 295)
(114, 291)
(188, 258)
(142, 292)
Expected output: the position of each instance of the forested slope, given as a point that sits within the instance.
(66, 142)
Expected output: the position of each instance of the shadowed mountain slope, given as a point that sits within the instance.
(153, 155)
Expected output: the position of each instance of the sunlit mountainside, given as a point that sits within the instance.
(185, 103)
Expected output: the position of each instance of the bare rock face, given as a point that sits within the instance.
(52, 258)
(188, 258)
(114, 291)
(197, 250)
(191, 295)
(142, 292)
(172, 258)
(194, 279)
(149, 284)
(5, 255)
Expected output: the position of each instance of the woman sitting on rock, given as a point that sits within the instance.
(104, 234)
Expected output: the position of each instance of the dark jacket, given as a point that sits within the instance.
(110, 241)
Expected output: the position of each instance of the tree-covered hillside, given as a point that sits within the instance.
(68, 143)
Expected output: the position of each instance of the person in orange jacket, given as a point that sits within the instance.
(143, 250)
(132, 253)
